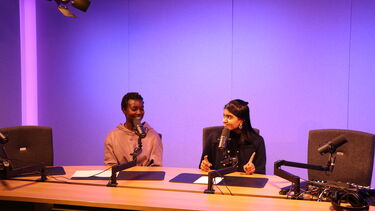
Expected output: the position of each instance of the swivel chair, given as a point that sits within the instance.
(354, 160)
(28, 144)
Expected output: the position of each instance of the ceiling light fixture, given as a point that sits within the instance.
(63, 6)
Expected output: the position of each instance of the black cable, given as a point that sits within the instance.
(56, 177)
(217, 186)
(100, 172)
(225, 184)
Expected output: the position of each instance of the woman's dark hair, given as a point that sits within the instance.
(130, 96)
(240, 109)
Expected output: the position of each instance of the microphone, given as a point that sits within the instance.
(150, 162)
(139, 129)
(3, 139)
(332, 145)
(223, 139)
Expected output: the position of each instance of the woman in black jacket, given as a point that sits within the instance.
(244, 147)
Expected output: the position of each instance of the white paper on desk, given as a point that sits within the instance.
(204, 180)
(91, 173)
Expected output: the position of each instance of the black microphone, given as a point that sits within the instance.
(139, 129)
(149, 163)
(223, 139)
(332, 145)
(3, 139)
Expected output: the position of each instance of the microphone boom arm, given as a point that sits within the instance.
(120, 167)
(7, 171)
(291, 177)
(218, 173)
(117, 168)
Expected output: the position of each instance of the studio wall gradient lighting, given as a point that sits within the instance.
(28, 62)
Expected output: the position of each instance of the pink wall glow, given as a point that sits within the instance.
(28, 62)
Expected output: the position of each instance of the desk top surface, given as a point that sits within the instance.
(151, 195)
(271, 188)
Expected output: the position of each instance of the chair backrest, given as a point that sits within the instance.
(354, 160)
(208, 130)
(29, 144)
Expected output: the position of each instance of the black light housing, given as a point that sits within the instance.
(82, 5)
(63, 6)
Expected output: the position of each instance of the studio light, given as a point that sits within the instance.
(63, 6)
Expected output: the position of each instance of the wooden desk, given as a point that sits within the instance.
(148, 195)
(142, 199)
(271, 189)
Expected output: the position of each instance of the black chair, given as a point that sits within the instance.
(354, 160)
(28, 144)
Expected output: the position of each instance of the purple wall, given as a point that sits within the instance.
(302, 65)
(361, 96)
(10, 65)
(180, 60)
(83, 72)
(291, 60)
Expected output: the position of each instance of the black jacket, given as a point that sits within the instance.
(243, 151)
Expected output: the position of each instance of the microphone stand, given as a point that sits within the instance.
(295, 179)
(217, 173)
(7, 171)
(233, 161)
(120, 167)
(138, 149)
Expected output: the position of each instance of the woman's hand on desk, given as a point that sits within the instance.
(205, 164)
(249, 167)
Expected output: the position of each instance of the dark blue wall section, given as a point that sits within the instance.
(10, 64)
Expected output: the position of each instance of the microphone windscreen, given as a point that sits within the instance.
(225, 132)
(333, 144)
(223, 138)
(136, 122)
(338, 141)
(139, 128)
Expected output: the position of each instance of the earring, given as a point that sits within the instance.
(240, 126)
